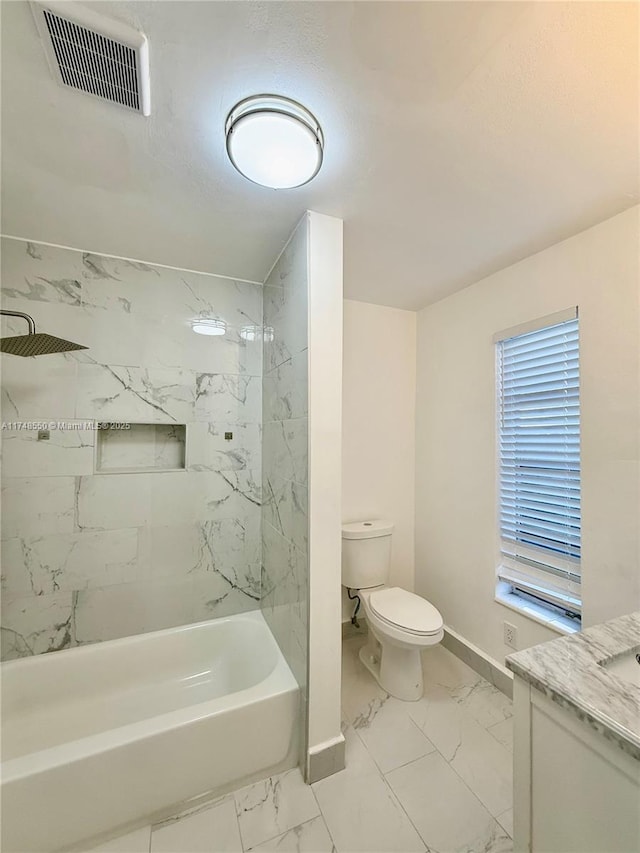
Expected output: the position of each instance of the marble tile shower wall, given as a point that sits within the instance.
(284, 453)
(89, 557)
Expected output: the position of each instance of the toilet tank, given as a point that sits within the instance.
(366, 553)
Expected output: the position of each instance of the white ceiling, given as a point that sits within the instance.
(460, 137)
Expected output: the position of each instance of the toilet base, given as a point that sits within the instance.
(398, 671)
(370, 655)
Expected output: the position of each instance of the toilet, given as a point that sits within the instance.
(401, 623)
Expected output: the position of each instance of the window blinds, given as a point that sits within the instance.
(539, 425)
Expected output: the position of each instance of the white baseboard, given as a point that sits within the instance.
(479, 661)
(325, 759)
(482, 663)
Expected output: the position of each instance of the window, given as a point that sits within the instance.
(539, 450)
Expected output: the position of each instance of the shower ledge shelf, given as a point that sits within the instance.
(150, 470)
(143, 448)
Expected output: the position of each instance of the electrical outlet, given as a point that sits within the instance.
(510, 635)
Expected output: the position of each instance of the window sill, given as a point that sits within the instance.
(535, 612)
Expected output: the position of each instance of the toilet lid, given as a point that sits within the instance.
(406, 610)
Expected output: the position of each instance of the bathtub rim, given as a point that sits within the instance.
(130, 640)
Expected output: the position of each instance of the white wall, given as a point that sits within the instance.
(378, 426)
(456, 542)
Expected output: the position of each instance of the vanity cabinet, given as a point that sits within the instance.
(575, 790)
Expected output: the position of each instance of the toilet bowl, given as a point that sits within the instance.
(401, 623)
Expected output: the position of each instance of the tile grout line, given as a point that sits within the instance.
(324, 820)
(465, 783)
(174, 819)
(448, 763)
(411, 760)
(503, 827)
(284, 832)
(510, 751)
(392, 792)
(304, 823)
(384, 775)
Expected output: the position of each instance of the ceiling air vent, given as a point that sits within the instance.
(94, 54)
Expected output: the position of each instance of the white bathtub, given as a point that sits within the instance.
(105, 736)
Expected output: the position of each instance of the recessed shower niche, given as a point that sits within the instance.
(130, 447)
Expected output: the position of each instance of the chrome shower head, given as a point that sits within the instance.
(34, 343)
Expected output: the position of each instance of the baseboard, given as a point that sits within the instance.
(325, 760)
(474, 657)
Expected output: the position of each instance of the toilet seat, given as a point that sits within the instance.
(406, 611)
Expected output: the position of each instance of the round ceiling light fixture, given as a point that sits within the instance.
(274, 141)
(208, 326)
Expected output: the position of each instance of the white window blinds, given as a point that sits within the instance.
(539, 426)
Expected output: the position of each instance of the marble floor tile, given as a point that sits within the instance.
(445, 812)
(138, 841)
(503, 733)
(390, 735)
(268, 809)
(359, 688)
(479, 699)
(506, 821)
(487, 769)
(309, 837)
(484, 702)
(358, 760)
(213, 829)
(483, 763)
(440, 666)
(364, 816)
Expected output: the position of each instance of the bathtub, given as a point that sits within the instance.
(106, 736)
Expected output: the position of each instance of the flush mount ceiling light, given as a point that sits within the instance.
(274, 141)
(207, 326)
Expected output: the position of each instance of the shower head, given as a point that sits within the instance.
(34, 343)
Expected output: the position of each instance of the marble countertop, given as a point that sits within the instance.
(569, 671)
